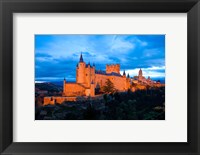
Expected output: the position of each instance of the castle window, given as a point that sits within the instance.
(86, 74)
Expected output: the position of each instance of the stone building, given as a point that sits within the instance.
(88, 78)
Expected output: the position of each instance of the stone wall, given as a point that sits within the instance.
(74, 89)
(120, 83)
(57, 99)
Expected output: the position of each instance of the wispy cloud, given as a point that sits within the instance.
(121, 44)
(57, 55)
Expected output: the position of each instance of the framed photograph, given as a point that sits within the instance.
(102, 77)
(109, 88)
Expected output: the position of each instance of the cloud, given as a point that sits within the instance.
(56, 56)
(120, 44)
(138, 41)
(48, 78)
(154, 72)
(150, 52)
(38, 54)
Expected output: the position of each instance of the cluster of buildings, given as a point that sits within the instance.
(88, 79)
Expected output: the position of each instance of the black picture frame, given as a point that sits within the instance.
(8, 7)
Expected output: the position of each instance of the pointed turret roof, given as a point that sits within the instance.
(81, 58)
(128, 76)
(124, 73)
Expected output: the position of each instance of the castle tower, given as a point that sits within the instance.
(93, 74)
(128, 82)
(92, 89)
(89, 74)
(140, 73)
(80, 71)
(113, 68)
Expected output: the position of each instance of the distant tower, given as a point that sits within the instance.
(140, 73)
(80, 71)
(128, 76)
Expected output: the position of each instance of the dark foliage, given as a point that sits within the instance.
(140, 105)
(50, 87)
(109, 87)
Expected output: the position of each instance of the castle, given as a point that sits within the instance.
(88, 79)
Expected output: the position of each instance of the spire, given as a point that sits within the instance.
(128, 76)
(81, 58)
(140, 72)
(88, 65)
(124, 73)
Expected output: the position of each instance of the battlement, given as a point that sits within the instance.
(115, 68)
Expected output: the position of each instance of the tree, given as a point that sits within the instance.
(109, 87)
(90, 112)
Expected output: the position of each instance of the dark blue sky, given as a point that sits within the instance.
(56, 56)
